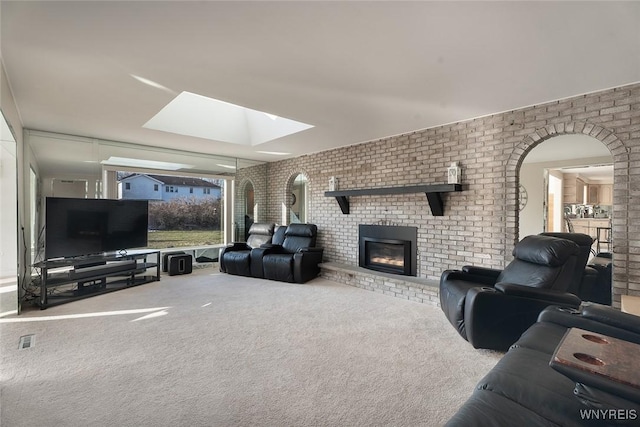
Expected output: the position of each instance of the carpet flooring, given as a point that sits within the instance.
(210, 349)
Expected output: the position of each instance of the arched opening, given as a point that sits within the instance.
(566, 183)
(619, 231)
(296, 206)
(249, 207)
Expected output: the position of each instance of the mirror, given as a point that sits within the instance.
(298, 207)
(555, 184)
(8, 221)
(566, 185)
(250, 215)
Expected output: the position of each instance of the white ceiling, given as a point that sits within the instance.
(356, 71)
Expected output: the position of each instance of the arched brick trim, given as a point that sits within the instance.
(286, 197)
(621, 192)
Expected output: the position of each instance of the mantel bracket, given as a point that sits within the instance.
(343, 201)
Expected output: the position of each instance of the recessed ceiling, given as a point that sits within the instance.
(357, 71)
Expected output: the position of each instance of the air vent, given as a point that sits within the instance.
(27, 341)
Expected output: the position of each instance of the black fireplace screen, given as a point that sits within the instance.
(390, 249)
(386, 254)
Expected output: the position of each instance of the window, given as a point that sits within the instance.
(206, 191)
(179, 220)
(127, 186)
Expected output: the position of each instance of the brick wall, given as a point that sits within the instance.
(480, 224)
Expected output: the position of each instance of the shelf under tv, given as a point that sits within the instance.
(95, 275)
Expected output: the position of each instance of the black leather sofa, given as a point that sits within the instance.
(523, 390)
(492, 308)
(295, 260)
(284, 253)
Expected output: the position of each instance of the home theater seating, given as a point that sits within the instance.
(523, 389)
(527, 309)
(284, 253)
(492, 308)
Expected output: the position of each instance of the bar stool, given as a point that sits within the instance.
(606, 240)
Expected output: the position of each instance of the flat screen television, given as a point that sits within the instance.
(75, 227)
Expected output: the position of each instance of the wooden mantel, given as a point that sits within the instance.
(433, 192)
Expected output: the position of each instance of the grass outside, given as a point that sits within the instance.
(160, 239)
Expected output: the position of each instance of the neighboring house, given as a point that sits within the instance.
(161, 187)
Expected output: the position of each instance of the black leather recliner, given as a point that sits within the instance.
(236, 258)
(585, 277)
(296, 260)
(492, 308)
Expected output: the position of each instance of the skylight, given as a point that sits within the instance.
(196, 115)
(147, 164)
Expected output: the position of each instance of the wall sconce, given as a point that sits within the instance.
(453, 174)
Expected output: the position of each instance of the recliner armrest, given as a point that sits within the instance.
(306, 264)
(235, 246)
(311, 250)
(272, 247)
(550, 295)
(238, 246)
(611, 316)
(480, 279)
(482, 271)
(256, 259)
(495, 319)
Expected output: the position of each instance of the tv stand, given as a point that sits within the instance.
(70, 279)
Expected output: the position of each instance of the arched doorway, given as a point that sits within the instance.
(296, 207)
(249, 204)
(565, 181)
(621, 191)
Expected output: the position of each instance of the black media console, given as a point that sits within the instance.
(68, 279)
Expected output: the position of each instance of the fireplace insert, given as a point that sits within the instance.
(389, 249)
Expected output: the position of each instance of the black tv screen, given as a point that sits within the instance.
(75, 227)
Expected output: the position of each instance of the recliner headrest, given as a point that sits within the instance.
(580, 238)
(545, 250)
(278, 235)
(302, 230)
(262, 228)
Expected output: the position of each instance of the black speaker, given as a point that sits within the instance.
(180, 264)
(165, 259)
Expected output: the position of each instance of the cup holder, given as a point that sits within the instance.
(594, 338)
(569, 310)
(587, 358)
